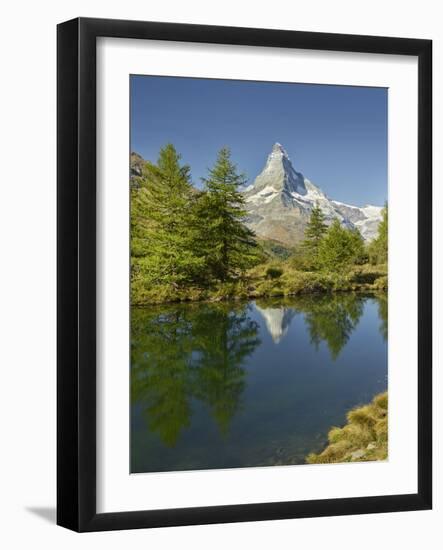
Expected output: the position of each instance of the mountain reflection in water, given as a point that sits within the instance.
(277, 320)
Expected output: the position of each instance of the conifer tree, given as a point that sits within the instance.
(360, 255)
(162, 224)
(339, 248)
(378, 248)
(314, 233)
(229, 246)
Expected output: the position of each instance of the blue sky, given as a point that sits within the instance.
(335, 135)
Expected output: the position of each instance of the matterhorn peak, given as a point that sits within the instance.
(278, 147)
(279, 151)
(279, 175)
(280, 201)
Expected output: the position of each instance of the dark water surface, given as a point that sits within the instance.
(250, 384)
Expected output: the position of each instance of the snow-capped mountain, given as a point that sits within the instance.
(280, 200)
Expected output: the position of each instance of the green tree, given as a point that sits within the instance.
(358, 246)
(339, 248)
(314, 233)
(378, 248)
(229, 246)
(163, 227)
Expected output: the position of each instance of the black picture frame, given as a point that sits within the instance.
(76, 265)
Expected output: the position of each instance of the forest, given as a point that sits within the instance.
(190, 243)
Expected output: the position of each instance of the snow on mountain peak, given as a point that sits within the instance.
(278, 176)
(278, 149)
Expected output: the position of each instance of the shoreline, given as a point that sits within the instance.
(368, 290)
(249, 298)
(257, 284)
(364, 438)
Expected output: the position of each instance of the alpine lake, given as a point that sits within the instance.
(248, 384)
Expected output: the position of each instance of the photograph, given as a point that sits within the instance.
(258, 296)
(259, 274)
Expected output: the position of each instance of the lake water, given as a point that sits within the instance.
(250, 384)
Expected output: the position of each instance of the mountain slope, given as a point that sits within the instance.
(280, 201)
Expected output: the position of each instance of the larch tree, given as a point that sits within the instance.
(314, 233)
(378, 248)
(162, 223)
(229, 246)
(339, 248)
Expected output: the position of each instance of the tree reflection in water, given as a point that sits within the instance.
(183, 352)
(382, 300)
(330, 318)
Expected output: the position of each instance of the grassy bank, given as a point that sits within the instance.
(266, 280)
(363, 438)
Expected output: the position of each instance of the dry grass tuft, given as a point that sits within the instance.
(363, 438)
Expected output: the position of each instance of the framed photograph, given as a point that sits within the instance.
(238, 211)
